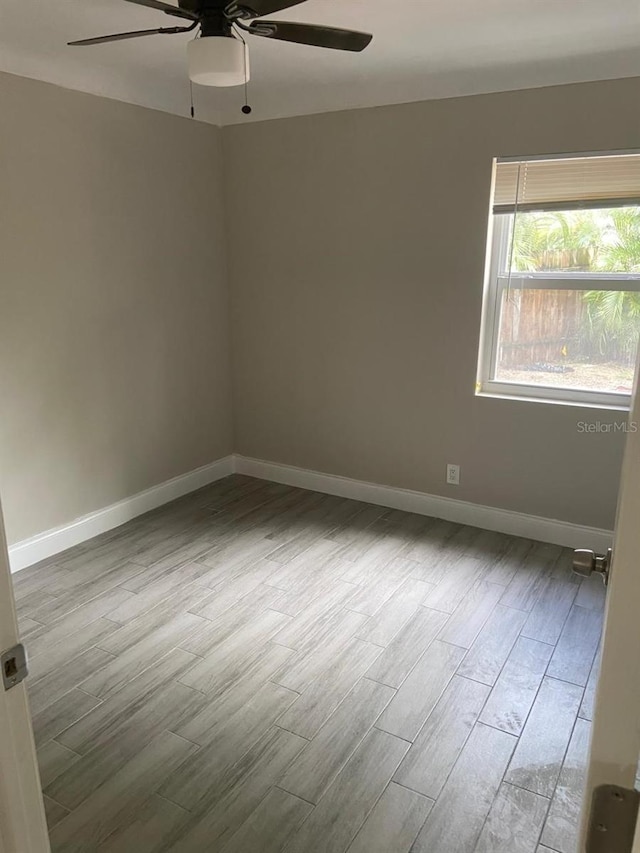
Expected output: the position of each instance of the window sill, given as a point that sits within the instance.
(554, 401)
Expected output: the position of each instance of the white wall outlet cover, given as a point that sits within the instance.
(453, 475)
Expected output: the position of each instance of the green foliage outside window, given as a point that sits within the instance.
(588, 241)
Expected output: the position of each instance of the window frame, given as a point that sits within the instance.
(497, 282)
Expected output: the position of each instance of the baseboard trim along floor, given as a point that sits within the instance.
(475, 515)
(51, 542)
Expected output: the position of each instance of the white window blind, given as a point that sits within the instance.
(600, 181)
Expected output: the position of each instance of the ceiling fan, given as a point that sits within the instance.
(219, 56)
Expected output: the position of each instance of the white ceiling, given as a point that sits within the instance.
(421, 49)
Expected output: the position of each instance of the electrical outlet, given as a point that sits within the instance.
(453, 475)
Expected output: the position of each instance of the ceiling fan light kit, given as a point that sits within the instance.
(218, 61)
(219, 57)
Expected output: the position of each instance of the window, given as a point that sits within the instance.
(561, 314)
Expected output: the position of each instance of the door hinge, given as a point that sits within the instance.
(14, 666)
(612, 822)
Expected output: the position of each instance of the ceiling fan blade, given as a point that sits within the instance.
(133, 35)
(258, 8)
(311, 34)
(166, 8)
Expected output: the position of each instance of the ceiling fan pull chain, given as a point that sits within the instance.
(193, 112)
(246, 109)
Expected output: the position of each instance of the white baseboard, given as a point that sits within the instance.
(489, 518)
(52, 542)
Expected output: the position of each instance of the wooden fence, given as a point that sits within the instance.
(551, 327)
(542, 327)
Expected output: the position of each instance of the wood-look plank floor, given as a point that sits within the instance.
(264, 669)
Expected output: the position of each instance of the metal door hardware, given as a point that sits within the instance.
(14, 666)
(612, 821)
(586, 562)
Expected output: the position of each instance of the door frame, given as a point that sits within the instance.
(615, 731)
(23, 825)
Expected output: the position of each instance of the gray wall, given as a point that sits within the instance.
(357, 249)
(114, 345)
(356, 243)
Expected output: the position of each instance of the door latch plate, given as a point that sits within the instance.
(14, 666)
(612, 823)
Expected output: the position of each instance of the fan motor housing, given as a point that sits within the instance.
(213, 20)
(203, 5)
